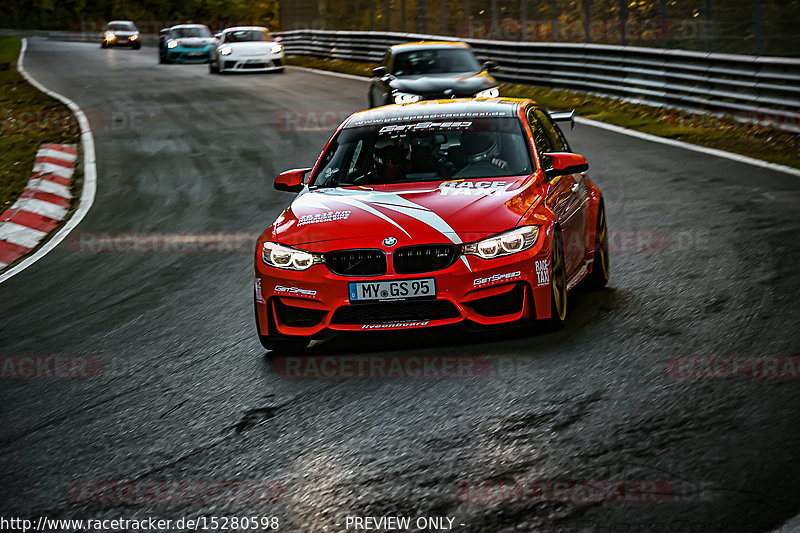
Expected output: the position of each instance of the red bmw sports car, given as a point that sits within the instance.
(471, 212)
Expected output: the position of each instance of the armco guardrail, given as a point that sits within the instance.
(760, 89)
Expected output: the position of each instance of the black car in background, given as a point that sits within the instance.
(121, 33)
(429, 71)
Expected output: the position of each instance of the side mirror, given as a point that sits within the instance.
(379, 72)
(217, 35)
(291, 180)
(491, 66)
(564, 163)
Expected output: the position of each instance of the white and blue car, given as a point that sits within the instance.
(185, 43)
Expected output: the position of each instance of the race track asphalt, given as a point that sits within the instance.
(188, 394)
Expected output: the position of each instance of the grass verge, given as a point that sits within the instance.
(725, 133)
(28, 118)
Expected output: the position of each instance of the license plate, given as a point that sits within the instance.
(194, 54)
(365, 291)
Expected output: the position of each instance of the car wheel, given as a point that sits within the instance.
(213, 69)
(137, 46)
(103, 45)
(279, 344)
(558, 282)
(600, 266)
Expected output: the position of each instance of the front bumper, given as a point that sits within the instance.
(260, 63)
(182, 54)
(315, 302)
(122, 41)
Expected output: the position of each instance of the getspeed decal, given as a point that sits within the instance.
(426, 126)
(494, 279)
(294, 291)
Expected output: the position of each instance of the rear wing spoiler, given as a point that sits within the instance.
(563, 116)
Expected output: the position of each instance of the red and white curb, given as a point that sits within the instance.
(88, 169)
(44, 203)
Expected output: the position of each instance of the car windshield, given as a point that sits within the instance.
(243, 36)
(422, 150)
(193, 31)
(434, 61)
(122, 26)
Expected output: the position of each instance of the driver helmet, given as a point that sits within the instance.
(392, 157)
(480, 146)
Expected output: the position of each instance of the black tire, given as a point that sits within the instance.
(137, 46)
(213, 69)
(103, 45)
(161, 59)
(278, 344)
(600, 266)
(558, 282)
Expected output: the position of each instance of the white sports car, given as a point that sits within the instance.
(246, 49)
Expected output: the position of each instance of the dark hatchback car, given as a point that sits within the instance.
(430, 71)
(121, 33)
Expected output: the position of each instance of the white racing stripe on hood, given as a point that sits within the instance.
(395, 202)
(369, 209)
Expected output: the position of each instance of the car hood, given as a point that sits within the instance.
(460, 84)
(423, 213)
(124, 33)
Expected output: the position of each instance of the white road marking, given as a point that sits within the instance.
(330, 73)
(40, 207)
(633, 133)
(21, 235)
(89, 174)
(49, 186)
(693, 147)
(50, 168)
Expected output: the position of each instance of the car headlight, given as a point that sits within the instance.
(225, 50)
(406, 98)
(134, 37)
(494, 92)
(276, 49)
(172, 43)
(508, 243)
(279, 256)
(110, 36)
